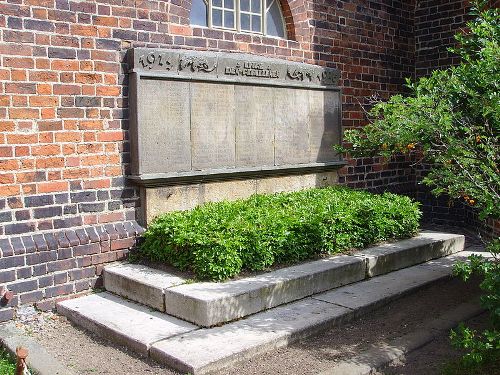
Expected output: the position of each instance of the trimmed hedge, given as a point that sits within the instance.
(219, 240)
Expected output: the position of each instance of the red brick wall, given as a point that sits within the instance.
(64, 149)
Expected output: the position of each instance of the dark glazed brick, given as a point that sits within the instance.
(101, 233)
(6, 314)
(62, 53)
(51, 241)
(23, 215)
(31, 297)
(17, 245)
(92, 234)
(5, 217)
(72, 238)
(129, 228)
(15, 23)
(60, 278)
(39, 269)
(45, 281)
(122, 233)
(39, 25)
(139, 230)
(40, 243)
(22, 286)
(6, 276)
(24, 273)
(6, 247)
(87, 101)
(82, 236)
(82, 285)
(29, 244)
(64, 253)
(91, 207)
(60, 290)
(19, 228)
(68, 222)
(61, 265)
(85, 196)
(43, 212)
(111, 231)
(62, 240)
(108, 44)
(61, 198)
(39, 258)
(11, 262)
(40, 200)
(92, 248)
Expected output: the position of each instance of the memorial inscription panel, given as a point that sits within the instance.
(206, 115)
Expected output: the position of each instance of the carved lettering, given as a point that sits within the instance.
(252, 69)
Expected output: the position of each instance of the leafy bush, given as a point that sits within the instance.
(219, 240)
(482, 347)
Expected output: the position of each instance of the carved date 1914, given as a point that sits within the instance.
(155, 59)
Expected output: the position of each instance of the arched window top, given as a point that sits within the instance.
(252, 16)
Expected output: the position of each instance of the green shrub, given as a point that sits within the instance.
(219, 240)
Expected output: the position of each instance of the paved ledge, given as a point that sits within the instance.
(39, 360)
(139, 283)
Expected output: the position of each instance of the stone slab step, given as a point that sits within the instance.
(211, 349)
(209, 304)
(140, 283)
(121, 321)
(421, 248)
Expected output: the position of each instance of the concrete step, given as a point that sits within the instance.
(209, 304)
(184, 347)
(124, 322)
(140, 283)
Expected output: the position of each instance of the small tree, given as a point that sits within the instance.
(452, 120)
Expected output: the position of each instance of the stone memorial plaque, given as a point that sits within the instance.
(291, 113)
(254, 116)
(164, 134)
(212, 126)
(202, 116)
(324, 111)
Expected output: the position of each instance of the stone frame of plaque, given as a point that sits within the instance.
(205, 116)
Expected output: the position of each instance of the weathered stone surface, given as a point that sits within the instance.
(164, 136)
(158, 200)
(126, 323)
(291, 127)
(254, 116)
(213, 349)
(139, 283)
(208, 304)
(212, 126)
(419, 249)
(230, 67)
(324, 115)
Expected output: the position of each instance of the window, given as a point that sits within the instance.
(252, 16)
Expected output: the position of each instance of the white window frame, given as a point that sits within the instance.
(237, 14)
